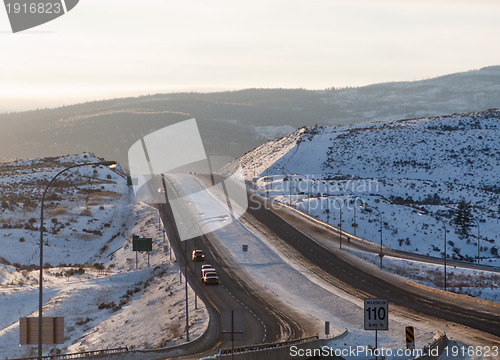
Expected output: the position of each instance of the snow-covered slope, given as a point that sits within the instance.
(402, 169)
(90, 278)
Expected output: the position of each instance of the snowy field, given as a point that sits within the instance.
(90, 276)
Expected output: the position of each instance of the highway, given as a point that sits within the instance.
(267, 321)
(336, 269)
(264, 321)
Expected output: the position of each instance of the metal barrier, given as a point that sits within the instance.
(80, 355)
(265, 346)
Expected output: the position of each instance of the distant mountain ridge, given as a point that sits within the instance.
(235, 122)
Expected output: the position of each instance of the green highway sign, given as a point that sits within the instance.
(142, 244)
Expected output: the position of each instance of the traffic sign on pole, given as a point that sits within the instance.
(376, 314)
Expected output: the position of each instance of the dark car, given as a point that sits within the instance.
(198, 255)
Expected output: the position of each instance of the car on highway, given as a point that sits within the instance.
(198, 255)
(207, 270)
(206, 266)
(211, 278)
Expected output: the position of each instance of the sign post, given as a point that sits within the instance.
(245, 250)
(233, 324)
(410, 337)
(376, 316)
(141, 244)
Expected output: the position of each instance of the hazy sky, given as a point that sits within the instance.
(114, 48)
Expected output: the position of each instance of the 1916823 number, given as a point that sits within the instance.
(34, 8)
(482, 351)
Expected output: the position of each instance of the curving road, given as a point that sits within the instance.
(475, 316)
(264, 321)
(268, 322)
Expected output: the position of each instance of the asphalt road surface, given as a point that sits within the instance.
(476, 316)
(263, 321)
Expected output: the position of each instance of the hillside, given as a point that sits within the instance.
(400, 168)
(233, 123)
(90, 272)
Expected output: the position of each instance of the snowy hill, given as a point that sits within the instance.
(90, 276)
(402, 169)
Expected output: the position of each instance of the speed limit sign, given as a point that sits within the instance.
(376, 314)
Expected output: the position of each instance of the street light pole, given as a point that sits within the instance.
(340, 222)
(355, 223)
(109, 164)
(478, 237)
(289, 185)
(186, 289)
(381, 254)
(445, 255)
(355, 197)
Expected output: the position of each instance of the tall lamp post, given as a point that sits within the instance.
(381, 254)
(110, 164)
(478, 237)
(289, 185)
(355, 197)
(341, 203)
(445, 255)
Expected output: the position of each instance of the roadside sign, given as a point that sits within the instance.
(376, 314)
(410, 337)
(142, 244)
(52, 330)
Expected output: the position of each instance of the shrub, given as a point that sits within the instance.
(82, 321)
(86, 212)
(59, 211)
(110, 305)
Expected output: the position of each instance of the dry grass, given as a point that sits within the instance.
(59, 211)
(83, 236)
(86, 212)
(176, 329)
(104, 195)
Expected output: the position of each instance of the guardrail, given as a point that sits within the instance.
(80, 355)
(266, 346)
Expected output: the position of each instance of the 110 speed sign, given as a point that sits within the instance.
(376, 314)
